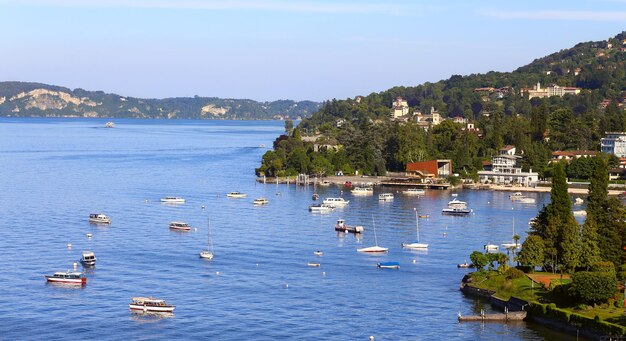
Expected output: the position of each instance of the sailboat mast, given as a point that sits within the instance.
(375, 238)
(417, 226)
(210, 242)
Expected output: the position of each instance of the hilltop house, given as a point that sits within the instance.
(427, 121)
(614, 143)
(399, 108)
(431, 169)
(569, 155)
(503, 169)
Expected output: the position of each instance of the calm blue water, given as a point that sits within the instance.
(54, 172)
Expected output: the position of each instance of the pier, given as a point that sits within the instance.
(505, 317)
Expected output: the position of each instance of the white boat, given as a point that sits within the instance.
(109, 125)
(318, 253)
(456, 207)
(385, 196)
(388, 265)
(455, 195)
(179, 226)
(416, 244)
(335, 202)
(526, 200)
(325, 183)
(236, 195)
(516, 196)
(362, 191)
(261, 201)
(580, 213)
(150, 304)
(99, 218)
(491, 248)
(375, 248)
(173, 200)
(208, 253)
(88, 258)
(513, 244)
(578, 201)
(322, 208)
(67, 278)
(314, 265)
(414, 191)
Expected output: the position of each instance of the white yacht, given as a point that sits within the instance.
(88, 258)
(236, 195)
(385, 196)
(67, 278)
(322, 208)
(179, 226)
(362, 191)
(173, 200)
(414, 191)
(261, 201)
(99, 218)
(335, 202)
(456, 207)
(150, 304)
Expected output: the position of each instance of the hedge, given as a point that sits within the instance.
(574, 319)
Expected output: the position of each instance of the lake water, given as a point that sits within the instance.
(55, 172)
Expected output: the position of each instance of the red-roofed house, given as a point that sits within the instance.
(431, 169)
(568, 155)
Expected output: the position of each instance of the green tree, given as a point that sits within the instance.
(532, 253)
(288, 125)
(590, 253)
(479, 259)
(594, 287)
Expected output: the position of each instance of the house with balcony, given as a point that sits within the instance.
(431, 169)
(504, 170)
(614, 143)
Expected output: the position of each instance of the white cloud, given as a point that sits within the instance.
(277, 6)
(557, 15)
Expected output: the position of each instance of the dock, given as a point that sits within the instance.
(512, 316)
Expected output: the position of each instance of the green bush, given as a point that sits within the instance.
(513, 273)
(603, 267)
(594, 287)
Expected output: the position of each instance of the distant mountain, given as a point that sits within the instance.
(24, 99)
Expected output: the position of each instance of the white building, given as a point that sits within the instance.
(504, 170)
(399, 108)
(614, 143)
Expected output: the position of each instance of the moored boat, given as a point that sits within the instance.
(388, 265)
(236, 195)
(88, 258)
(261, 201)
(173, 200)
(179, 226)
(491, 248)
(456, 207)
(342, 227)
(208, 253)
(373, 249)
(414, 191)
(318, 253)
(322, 208)
(526, 200)
(362, 191)
(385, 196)
(67, 278)
(464, 265)
(150, 304)
(99, 218)
(516, 196)
(416, 244)
(335, 202)
(109, 125)
(315, 265)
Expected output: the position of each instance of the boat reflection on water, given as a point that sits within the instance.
(149, 316)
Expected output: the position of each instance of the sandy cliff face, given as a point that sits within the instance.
(45, 99)
(213, 110)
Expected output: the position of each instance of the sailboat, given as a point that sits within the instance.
(416, 244)
(208, 253)
(374, 248)
(513, 244)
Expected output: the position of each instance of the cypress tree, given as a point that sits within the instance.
(598, 189)
(590, 253)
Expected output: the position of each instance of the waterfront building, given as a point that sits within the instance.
(431, 169)
(614, 143)
(504, 170)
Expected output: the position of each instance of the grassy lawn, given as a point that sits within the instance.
(522, 287)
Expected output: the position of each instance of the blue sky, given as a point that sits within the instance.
(269, 50)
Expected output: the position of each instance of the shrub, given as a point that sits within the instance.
(594, 287)
(603, 267)
(514, 273)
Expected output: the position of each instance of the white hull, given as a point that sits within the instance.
(321, 210)
(373, 249)
(416, 192)
(335, 203)
(173, 201)
(65, 281)
(415, 245)
(510, 245)
(100, 221)
(163, 309)
(206, 254)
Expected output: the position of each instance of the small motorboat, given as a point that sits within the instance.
(362, 191)
(318, 253)
(179, 226)
(322, 208)
(99, 218)
(314, 265)
(67, 278)
(388, 265)
(315, 196)
(526, 200)
(456, 207)
(578, 201)
(580, 213)
(173, 200)
(342, 227)
(424, 216)
(464, 265)
(490, 248)
(109, 125)
(516, 196)
(88, 258)
(261, 201)
(336, 202)
(414, 191)
(150, 304)
(236, 195)
(385, 196)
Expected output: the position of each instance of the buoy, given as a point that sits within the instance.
(146, 201)
(488, 202)
(286, 285)
(445, 234)
(414, 261)
(69, 246)
(202, 206)
(323, 273)
(371, 338)
(195, 229)
(89, 235)
(75, 265)
(217, 273)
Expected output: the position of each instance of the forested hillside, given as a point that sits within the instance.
(495, 102)
(22, 99)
